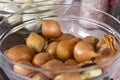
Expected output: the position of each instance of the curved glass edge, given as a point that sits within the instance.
(81, 69)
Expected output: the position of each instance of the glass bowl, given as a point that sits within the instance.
(70, 22)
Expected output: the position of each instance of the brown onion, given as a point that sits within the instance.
(20, 52)
(22, 70)
(69, 76)
(51, 48)
(71, 62)
(84, 51)
(35, 42)
(65, 48)
(91, 39)
(65, 36)
(39, 76)
(50, 28)
(41, 58)
(52, 65)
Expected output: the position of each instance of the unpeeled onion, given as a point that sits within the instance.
(52, 65)
(50, 28)
(20, 52)
(41, 58)
(39, 76)
(35, 42)
(84, 51)
(65, 36)
(51, 48)
(23, 70)
(65, 48)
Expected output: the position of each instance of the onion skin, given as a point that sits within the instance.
(84, 51)
(50, 28)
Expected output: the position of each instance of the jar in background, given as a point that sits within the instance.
(97, 4)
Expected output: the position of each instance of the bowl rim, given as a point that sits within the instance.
(80, 69)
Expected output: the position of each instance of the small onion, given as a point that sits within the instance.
(51, 48)
(35, 42)
(64, 36)
(65, 48)
(50, 28)
(71, 62)
(20, 52)
(41, 58)
(39, 76)
(22, 70)
(52, 65)
(91, 39)
(84, 51)
(69, 76)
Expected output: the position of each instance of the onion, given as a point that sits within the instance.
(20, 52)
(52, 65)
(23, 70)
(51, 48)
(50, 28)
(35, 42)
(84, 51)
(39, 76)
(65, 48)
(41, 58)
(64, 36)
